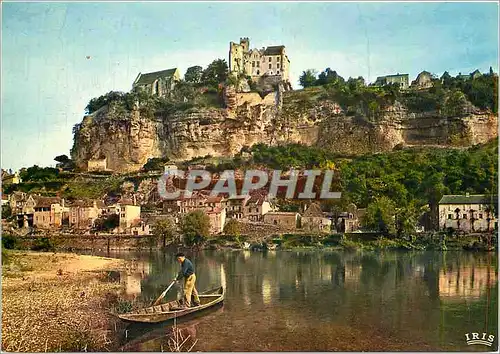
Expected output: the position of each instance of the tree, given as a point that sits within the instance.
(215, 73)
(308, 78)
(232, 228)
(64, 162)
(329, 77)
(193, 74)
(106, 223)
(164, 230)
(6, 211)
(447, 80)
(155, 164)
(380, 216)
(195, 227)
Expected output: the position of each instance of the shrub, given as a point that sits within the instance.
(9, 242)
(43, 244)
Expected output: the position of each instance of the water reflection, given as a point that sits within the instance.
(433, 298)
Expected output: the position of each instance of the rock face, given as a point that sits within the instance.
(127, 139)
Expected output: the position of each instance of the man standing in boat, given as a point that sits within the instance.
(187, 272)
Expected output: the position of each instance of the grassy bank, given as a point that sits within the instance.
(58, 302)
(436, 241)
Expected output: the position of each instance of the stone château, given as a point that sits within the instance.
(257, 63)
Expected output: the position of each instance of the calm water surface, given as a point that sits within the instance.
(325, 301)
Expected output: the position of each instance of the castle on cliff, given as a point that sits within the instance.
(271, 62)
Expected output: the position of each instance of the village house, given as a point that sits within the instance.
(350, 220)
(423, 81)
(5, 200)
(10, 178)
(314, 219)
(141, 227)
(217, 219)
(288, 220)
(472, 76)
(158, 83)
(235, 206)
(49, 212)
(400, 79)
(270, 61)
(469, 213)
(82, 214)
(16, 201)
(214, 207)
(256, 207)
(128, 213)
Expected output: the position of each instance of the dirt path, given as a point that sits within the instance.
(57, 302)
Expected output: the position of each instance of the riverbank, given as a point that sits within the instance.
(58, 302)
(435, 241)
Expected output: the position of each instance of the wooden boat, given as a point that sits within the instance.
(170, 310)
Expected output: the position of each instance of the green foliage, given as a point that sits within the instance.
(308, 78)
(9, 242)
(96, 189)
(233, 228)
(193, 74)
(155, 164)
(215, 73)
(6, 211)
(44, 244)
(454, 104)
(288, 156)
(65, 163)
(107, 223)
(39, 174)
(380, 216)
(195, 227)
(164, 230)
(329, 77)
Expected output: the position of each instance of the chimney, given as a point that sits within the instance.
(135, 201)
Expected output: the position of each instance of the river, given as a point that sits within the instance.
(325, 300)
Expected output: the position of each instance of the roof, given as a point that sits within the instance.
(88, 203)
(471, 199)
(5, 197)
(314, 210)
(284, 213)
(126, 201)
(149, 78)
(255, 200)
(274, 50)
(43, 202)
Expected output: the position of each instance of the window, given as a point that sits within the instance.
(258, 63)
(465, 216)
(480, 216)
(253, 64)
(258, 72)
(277, 72)
(278, 65)
(269, 59)
(270, 65)
(123, 215)
(450, 216)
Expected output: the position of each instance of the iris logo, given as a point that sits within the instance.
(475, 338)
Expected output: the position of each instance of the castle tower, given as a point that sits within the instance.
(245, 44)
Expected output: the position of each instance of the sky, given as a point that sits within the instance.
(57, 56)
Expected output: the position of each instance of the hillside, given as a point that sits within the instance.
(128, 130)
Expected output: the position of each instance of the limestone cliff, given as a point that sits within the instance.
(128, 138)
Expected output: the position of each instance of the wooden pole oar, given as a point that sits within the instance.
(163, 294)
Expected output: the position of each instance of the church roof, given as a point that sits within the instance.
(149, 78)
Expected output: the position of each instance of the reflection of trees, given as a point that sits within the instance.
(400, 291)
